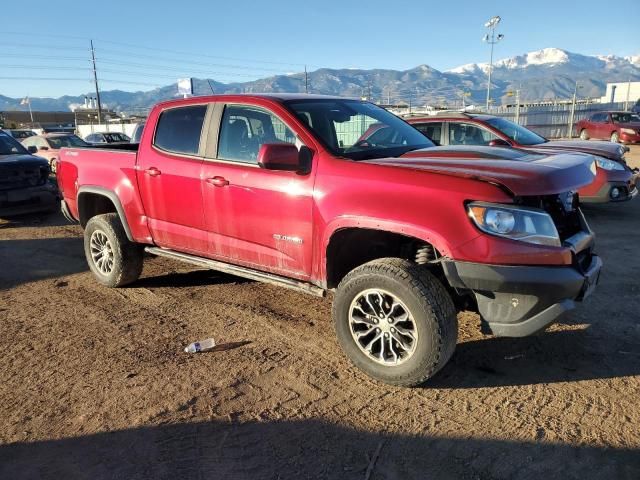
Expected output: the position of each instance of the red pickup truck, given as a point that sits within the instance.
(279, 188)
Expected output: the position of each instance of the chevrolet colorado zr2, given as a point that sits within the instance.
(280, 188)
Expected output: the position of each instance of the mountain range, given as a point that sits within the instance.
(545, 74)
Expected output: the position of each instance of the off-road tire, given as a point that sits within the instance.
(127, 255)
(615, 138)
(430, 306)
(584, 134)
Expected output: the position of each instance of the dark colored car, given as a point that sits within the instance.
(614, 181)
(622, 127)
(24, 180)
(280, 188)
(107, 137)
(48, 145)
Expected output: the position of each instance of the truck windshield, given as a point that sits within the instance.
(516, 132)
(10, 146)
(356, 129)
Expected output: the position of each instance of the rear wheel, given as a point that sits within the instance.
(584, 135)
(615, 137)
(395, 321)
(113, 259)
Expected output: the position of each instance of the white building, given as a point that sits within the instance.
(622, 92)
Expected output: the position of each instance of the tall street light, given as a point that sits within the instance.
(491, 38)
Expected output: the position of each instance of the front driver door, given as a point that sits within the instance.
(255, 217)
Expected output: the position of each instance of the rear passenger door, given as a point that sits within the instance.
(255, 217)
(168, 175)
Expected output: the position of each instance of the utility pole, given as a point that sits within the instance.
(306, 80)
(491, 39)
(95, 79)
(573, 111)
(518, 106)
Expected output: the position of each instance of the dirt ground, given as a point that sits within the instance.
(94, 382)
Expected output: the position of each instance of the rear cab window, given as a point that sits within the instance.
(179, 129)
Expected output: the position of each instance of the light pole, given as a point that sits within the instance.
(573, 110)
(491, 39)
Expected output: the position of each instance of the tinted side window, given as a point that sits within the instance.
(245, 129)
(467, 134)
(432, 130)
(179, 129)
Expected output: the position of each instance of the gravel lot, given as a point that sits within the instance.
(94, 383)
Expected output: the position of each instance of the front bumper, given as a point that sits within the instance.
(516, 301)
(21, 201)
(626, 191)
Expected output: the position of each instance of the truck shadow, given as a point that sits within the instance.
(24, 261)
(304, 449)
(195, 278)
(558, 356)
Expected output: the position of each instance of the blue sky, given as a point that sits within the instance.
(135, 41)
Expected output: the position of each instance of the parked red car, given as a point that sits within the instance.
(614, 181)
(621, 127)
(278, 188)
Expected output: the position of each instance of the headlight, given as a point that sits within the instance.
(607, 164)
(517, 223)
(628, 131)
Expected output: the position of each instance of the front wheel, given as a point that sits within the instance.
(395, 321)
(584, 135)
(615, 137)
(113, 259)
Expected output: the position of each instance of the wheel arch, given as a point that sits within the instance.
(94, 201)
(350, 245)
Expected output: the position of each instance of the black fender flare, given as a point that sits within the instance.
(112, 197)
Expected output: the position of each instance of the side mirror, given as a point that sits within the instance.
(32, 149)
(279, 156)
(498, 142)
(44, 148)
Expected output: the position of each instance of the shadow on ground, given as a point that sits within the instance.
(24, 261)
(558, 356)
(303, 449)
(195, 278)
(52, 219)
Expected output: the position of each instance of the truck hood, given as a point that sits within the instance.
(604, 149)
(525, 176)
(23, 160)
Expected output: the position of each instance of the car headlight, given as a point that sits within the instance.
(628, 131)
(607, 164)
(516, 223)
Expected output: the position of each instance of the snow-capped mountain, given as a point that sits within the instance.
(540, 75)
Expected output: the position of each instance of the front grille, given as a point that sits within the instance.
(565, 213)
(14, 177)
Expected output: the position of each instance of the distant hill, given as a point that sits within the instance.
(541, 75)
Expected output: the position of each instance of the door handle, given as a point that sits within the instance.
(152, 171)
(218, 181)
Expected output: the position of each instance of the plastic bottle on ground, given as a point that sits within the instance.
(201, 346)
